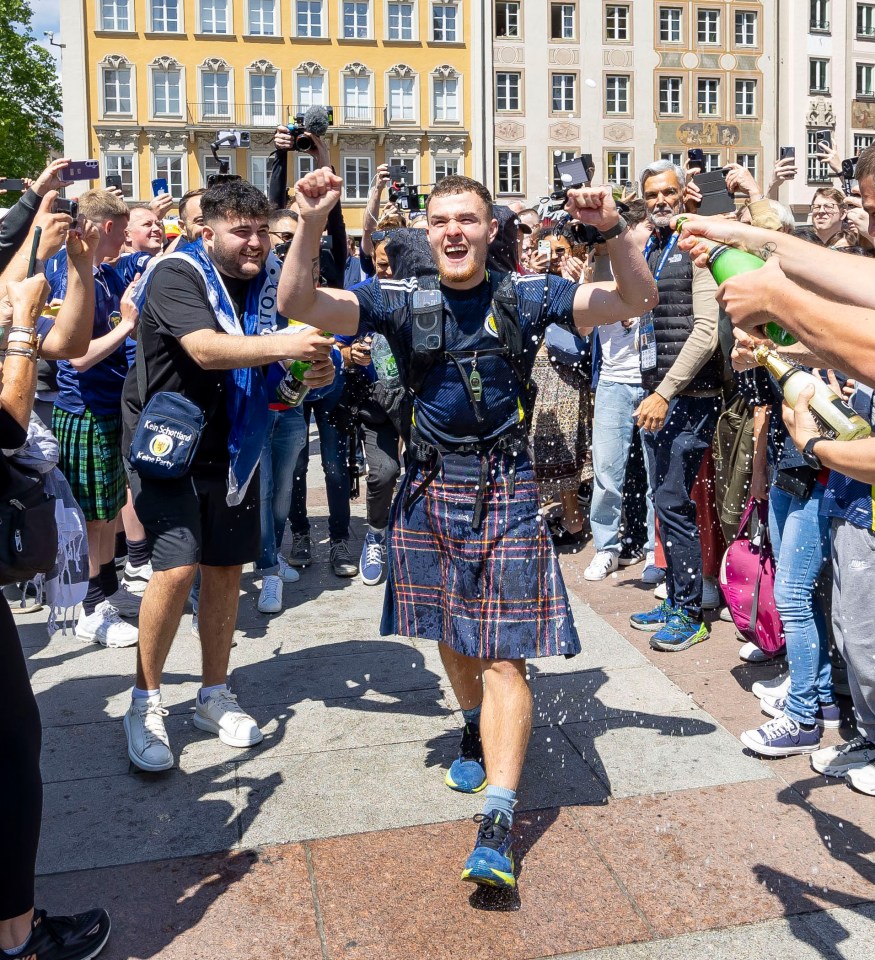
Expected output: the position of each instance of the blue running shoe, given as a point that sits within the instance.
(681, 632)
(468, 772)
(653, 619)
(491, 862)
(373, 559)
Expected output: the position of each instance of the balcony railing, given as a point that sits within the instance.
(269, 116)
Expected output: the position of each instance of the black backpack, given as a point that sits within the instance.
(28, 529)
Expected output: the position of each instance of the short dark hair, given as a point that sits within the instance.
(865, 164)
(636, 212)
(234, 198)
(282, 214)
(183, 203)
(454, 185)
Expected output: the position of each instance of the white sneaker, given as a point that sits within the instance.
(778, 687)
(148, 745)
(287, 573)
(136, 578)
(127, 603)
(270, 600)
(863, 778)
(711, 599)
(603, 563)
(751, 653)
(838, 760)
(661, 592)
(106, 627)
(222, 715)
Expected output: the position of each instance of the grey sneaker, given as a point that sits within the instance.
(342, 562)
(836, 761)
(301, 554)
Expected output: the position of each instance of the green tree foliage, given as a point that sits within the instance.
(30, 97)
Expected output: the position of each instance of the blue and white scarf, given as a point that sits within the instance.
(247, 387)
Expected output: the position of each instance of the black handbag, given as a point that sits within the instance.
(28, 529)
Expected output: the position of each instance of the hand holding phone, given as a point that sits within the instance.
(159, 186)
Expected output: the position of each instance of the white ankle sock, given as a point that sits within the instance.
(139, 694)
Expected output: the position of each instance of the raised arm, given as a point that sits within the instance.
(828, 273)
(19, 367)
(298, 296)
(70, 334)
(633, 291)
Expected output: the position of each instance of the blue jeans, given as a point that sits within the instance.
(612, 429)
(334, 444)
(675, 455)
(286, 438)
(801, 543)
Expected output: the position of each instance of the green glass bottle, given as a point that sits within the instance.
(725, 262)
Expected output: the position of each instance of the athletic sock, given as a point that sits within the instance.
(204, 692)
(109, 578)
(17, 951)
(138, 694)
(121, 544)
(472, 716)
(94, 597)
(501, 799)
(377, 531)
(138, 553)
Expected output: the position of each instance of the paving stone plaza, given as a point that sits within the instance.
(646, 829)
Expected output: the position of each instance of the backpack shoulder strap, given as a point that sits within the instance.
(506, 312)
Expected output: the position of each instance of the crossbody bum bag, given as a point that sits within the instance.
(169, 430)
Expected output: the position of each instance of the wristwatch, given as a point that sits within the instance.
(615, 230)
(809, 456)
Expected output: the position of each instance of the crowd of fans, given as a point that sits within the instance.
(635, 413)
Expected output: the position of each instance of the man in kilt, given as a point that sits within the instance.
(471, 562)
(87, 422)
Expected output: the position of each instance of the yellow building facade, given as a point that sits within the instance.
(149, 84)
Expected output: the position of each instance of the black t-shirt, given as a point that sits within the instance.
(176, 305)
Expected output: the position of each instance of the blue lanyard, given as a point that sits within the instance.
(669, 250)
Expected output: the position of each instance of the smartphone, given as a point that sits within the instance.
(63, 205)
(696, 157)
(398, 172)
(34, 248)
(825, 136)
(715, 197)
(544, 247)
(115, 181)
(159, 186)
(11, 183)
(788, 152)
(80, 170)
(572, 173)
(588, 165)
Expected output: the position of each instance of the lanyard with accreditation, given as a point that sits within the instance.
(646, 331)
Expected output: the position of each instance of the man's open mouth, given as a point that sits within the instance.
(455, 252)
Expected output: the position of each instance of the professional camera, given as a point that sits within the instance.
(316, 121)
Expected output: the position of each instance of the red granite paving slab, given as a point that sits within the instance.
(235, 906)
(733, 854)
(397, 896)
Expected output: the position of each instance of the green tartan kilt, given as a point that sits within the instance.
(90, 457)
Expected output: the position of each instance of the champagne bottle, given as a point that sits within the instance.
(836, 420)
(725, 262)
(291, 390)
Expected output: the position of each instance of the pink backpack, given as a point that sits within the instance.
(747, 579)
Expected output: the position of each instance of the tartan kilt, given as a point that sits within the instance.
(90, 457)
(496, 593)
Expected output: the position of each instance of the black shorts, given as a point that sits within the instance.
(188, 521)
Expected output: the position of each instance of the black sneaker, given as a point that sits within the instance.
(301, 554)
(342, 562)
(67, 938)
(630, 555)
